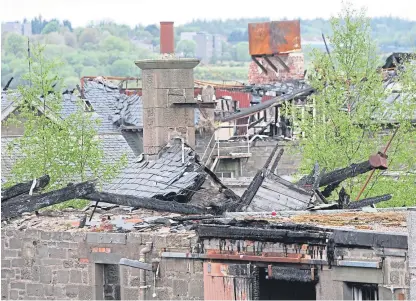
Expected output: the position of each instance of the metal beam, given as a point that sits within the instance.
(136, 264)
(270, 63)
(282, 63)
(205, 105)
(359, 264)
(258, 64)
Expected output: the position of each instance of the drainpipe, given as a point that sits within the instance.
(142, 258)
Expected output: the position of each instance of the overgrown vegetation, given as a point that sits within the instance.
(351, 112)
(68, 150)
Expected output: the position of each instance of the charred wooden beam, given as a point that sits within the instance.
(343, 199)
(255, 122)
(330, 188)
(23, 188)
(25, 203)
(369, 201)
(276, 161)
(377, 161)
(193, 217)
(255, 184)
(261, 234)
(292, 274)
(146, 203)
(6, 87)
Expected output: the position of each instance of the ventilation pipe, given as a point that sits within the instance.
(167, 38)
(142, 258)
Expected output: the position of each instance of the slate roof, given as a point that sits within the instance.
(165, 178)
(114, 146)
(277, 194)
(113, 107)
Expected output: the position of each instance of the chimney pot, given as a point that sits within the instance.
(167, 37)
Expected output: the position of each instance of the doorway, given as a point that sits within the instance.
(274, 289)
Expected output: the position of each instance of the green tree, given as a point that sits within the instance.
(16, 44)
(89, 71)
(88, 35)
(112, 43)
(187, 47)
(350, 110)
(52, 26)
(68, 25)
(70, 39)
(123, 67)
(67, 150)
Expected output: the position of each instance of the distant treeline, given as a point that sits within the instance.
(107, 48)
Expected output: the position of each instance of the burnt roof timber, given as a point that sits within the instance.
(276, 101)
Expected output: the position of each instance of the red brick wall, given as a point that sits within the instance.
(293, 60)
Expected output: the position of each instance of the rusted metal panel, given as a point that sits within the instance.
(226, 281)
(167, 42)
(276, 37)
(266, 98)
(243, 98)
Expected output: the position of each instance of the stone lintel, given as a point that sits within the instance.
(167, 64)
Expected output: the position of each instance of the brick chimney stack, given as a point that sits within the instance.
(167, 38)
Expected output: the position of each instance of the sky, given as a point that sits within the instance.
(133, 12)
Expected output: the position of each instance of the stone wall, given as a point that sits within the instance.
(65, 265)
(167, 83)
(72, 265)
(411, 224)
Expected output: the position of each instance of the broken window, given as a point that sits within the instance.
(362, 291)
(107, 282)
(278, 289)
(88, 106)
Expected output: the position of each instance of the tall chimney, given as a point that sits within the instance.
(167, 38)
(168, 102)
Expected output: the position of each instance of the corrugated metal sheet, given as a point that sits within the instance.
(270, 38)
(221, 284)
(278, 194)
(243, 98)
(167, 42)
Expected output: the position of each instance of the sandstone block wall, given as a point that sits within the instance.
(71, 265)
(166, 82)
(64, 265)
